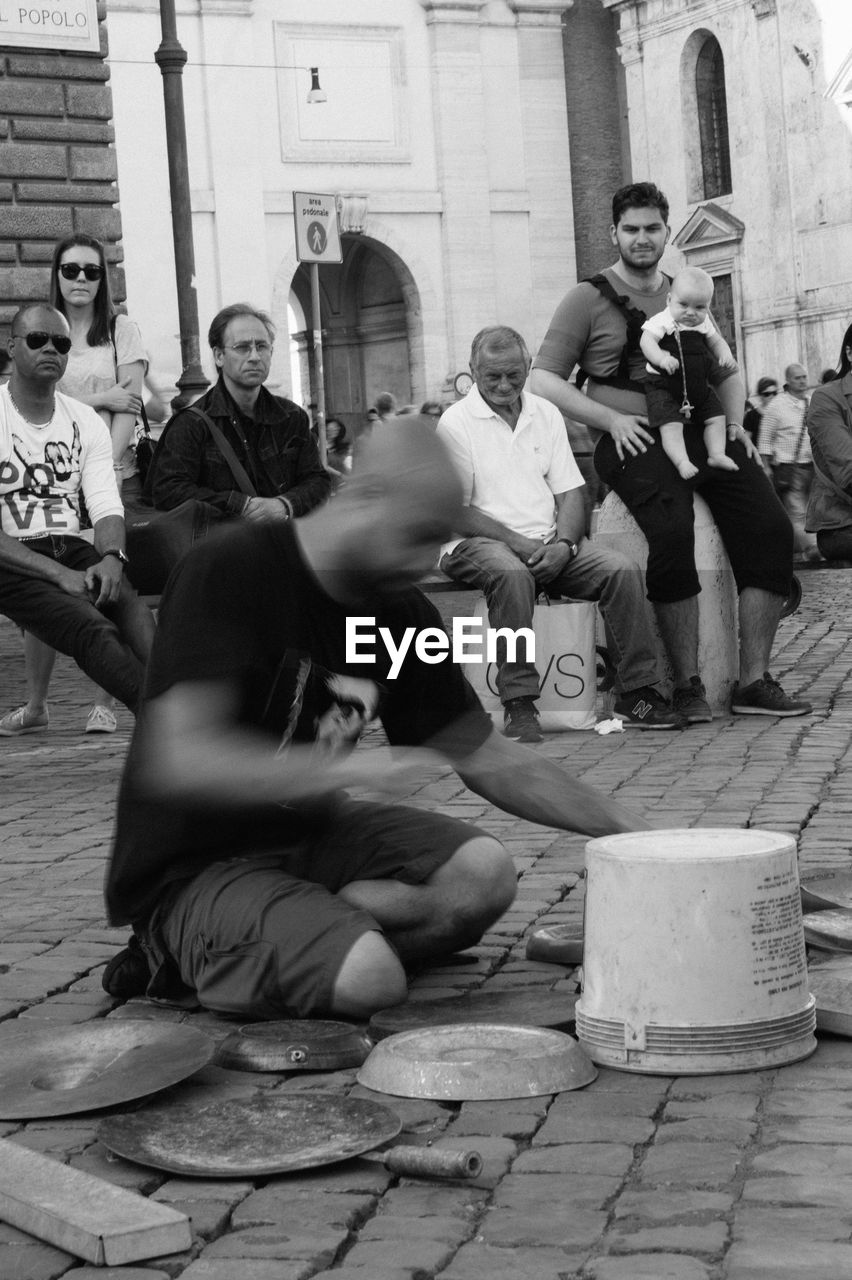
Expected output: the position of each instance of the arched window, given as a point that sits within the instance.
(713, 119)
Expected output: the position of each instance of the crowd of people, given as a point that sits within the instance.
(256, 880)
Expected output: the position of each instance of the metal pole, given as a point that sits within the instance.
(171, 58)
(319, 372)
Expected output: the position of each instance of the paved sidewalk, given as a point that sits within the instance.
(737, 1177)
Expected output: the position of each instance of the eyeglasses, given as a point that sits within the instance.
(772, 391)
(245, 348)
(38, 339)
(73, 270)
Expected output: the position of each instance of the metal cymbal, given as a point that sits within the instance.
(520, 1007)
(250, 1137)
(62, 1071)
(301, 1045)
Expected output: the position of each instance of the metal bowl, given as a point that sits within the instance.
(476, 1061)
(303, 1045)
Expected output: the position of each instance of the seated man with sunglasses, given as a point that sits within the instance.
(54, 450)
(269, 435)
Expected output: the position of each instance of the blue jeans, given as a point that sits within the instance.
(108, 645)
(597, 573)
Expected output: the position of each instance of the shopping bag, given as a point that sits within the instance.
(565, 658)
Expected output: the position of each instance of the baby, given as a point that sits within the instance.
(686, 355)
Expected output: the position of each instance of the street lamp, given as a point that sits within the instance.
(171, 59)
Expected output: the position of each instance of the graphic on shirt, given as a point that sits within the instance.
(39, 487)
(308, 703)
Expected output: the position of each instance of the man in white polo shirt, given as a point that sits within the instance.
(522, 532)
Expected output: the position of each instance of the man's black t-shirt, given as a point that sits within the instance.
(246, 609)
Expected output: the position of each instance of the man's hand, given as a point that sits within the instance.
(736, 432)
(73, 582)
(630, 433)
(548, 561)
(103, 581)
(262, 510)
(119, 399)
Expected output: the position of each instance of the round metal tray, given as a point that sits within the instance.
(250, 1137)
(476, 1061)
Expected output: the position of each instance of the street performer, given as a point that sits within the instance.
(256, 886)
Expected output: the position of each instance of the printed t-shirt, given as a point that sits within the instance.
(244, 608)
(43, 469)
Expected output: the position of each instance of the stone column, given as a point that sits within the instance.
(462, 164)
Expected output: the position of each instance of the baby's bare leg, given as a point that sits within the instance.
(715, 436)
(671, 434)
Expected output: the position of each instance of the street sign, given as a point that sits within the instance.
(317, 232)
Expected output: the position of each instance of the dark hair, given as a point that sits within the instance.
(385, 403)
(104, 308)
(221, 320)
(764, 383)
(341, 439)
(844, 364)
(431, 408)
(496, 337)
(639, 195)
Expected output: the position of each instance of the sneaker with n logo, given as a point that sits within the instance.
(647, 709)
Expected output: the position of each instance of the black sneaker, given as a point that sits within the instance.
(646, 709)
(520, 720)
(691, 702)
(765, 697)
(127, 974)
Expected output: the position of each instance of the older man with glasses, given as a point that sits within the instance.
(268, 436)
(54, 450)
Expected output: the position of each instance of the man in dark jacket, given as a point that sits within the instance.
(269, 435)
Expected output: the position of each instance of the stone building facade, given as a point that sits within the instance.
(444, 135)
(739, 110)
(57, 165)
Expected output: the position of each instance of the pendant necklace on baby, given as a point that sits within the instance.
(686, 408)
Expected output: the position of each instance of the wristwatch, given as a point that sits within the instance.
(572, 547)
(119, 555)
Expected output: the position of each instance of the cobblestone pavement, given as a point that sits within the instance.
(731, 1177)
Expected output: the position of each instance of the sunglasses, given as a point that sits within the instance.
(38, 339)
(72, 270)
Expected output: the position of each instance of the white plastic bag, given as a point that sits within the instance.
(565, 659)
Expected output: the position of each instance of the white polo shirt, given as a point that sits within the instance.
(511, 475)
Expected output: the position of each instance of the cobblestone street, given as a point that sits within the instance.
(735, 1177)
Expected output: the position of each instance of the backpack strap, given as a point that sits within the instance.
(634, 318)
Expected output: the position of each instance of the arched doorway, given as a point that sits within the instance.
(372, 340)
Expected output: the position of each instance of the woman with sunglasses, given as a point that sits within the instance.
(106, 368)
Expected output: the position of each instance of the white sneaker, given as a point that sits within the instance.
(101, 720)
(21, 721)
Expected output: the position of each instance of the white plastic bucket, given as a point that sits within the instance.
(694, 954)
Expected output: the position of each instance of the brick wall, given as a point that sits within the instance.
(57, 165)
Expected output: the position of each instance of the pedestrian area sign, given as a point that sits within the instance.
(317, 232)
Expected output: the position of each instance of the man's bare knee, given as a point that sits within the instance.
(370, 978)
(481, 880)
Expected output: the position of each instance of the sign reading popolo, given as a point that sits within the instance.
(71, 25)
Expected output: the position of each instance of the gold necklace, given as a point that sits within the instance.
(29, 421)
